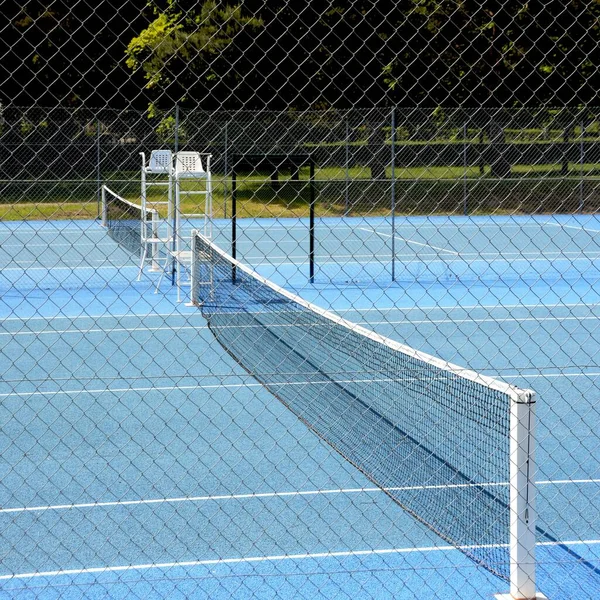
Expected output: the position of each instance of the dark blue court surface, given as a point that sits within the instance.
(138, 459)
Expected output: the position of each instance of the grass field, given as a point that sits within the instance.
(416, 190)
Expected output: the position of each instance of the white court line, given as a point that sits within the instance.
(292, 494)
(274, 558)
(550, 375)
(564, 226)
(52, 244)
(244, 385)
(407, 223)
(28, 232)
(530, 256)
(141, 328)
(351, 260)
(18, 265)
(196, 312)
(225, 561)
(469, 307)
(166, 388)
(470, 224)
(340, 267)
(193, 312)
(474, 254)
(106, 331)
(72, 269)
(411, 242)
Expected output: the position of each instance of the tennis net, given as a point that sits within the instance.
(127, 223)
(454, 448)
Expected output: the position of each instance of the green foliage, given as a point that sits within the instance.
(165, 131)
(282, 55)
(482, 53)
(179, 50)
(68, 52)
(153, 47)
(389, 78)
(26, 127)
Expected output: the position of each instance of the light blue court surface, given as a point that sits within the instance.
(137, 458)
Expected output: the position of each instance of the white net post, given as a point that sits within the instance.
(194, 299)
(522, 500)
(208, 210)
(155, 223)
(201, 274)
(104, 207)
(143, 195)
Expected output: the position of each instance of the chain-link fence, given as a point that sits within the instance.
(299, 301)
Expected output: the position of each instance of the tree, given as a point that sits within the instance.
(63, 53)
(268, 54)
(497, 53)
(191, 55)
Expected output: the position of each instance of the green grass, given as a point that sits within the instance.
(48, 211)
(422, 190)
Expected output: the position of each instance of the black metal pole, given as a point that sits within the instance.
(465, 167)
(347, 170)
(175, 232)
(311, 251)
(226, 169)
(233, 220)
(393, 192)
(99, 167)
(581, 167)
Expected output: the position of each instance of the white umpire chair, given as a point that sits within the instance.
(188, 166)
(160, 236)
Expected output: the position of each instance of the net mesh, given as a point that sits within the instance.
(434, 437)
(127, 223)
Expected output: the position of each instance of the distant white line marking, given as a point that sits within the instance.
(62, 267)
(408, 224)
(141, 328)
(54, 244)
(403, 309)
(122, 390)
(411, 242)
(259, 496)
(192, 312)
(227, 386)
(563, 226)
(470, 307)
(107, 331)
(299, 260)
(550, 375)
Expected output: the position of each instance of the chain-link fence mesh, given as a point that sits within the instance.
(316, 345)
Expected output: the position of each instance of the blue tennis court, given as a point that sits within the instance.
(138, 457)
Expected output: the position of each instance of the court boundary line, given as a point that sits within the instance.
(565, 226)
(471, 307)
(290, 494)
(63, 267)
(291, 259)
(142, 328)
(409, 241)
(249, 384)
(423, 221)
(274, 558)
(194, 311)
